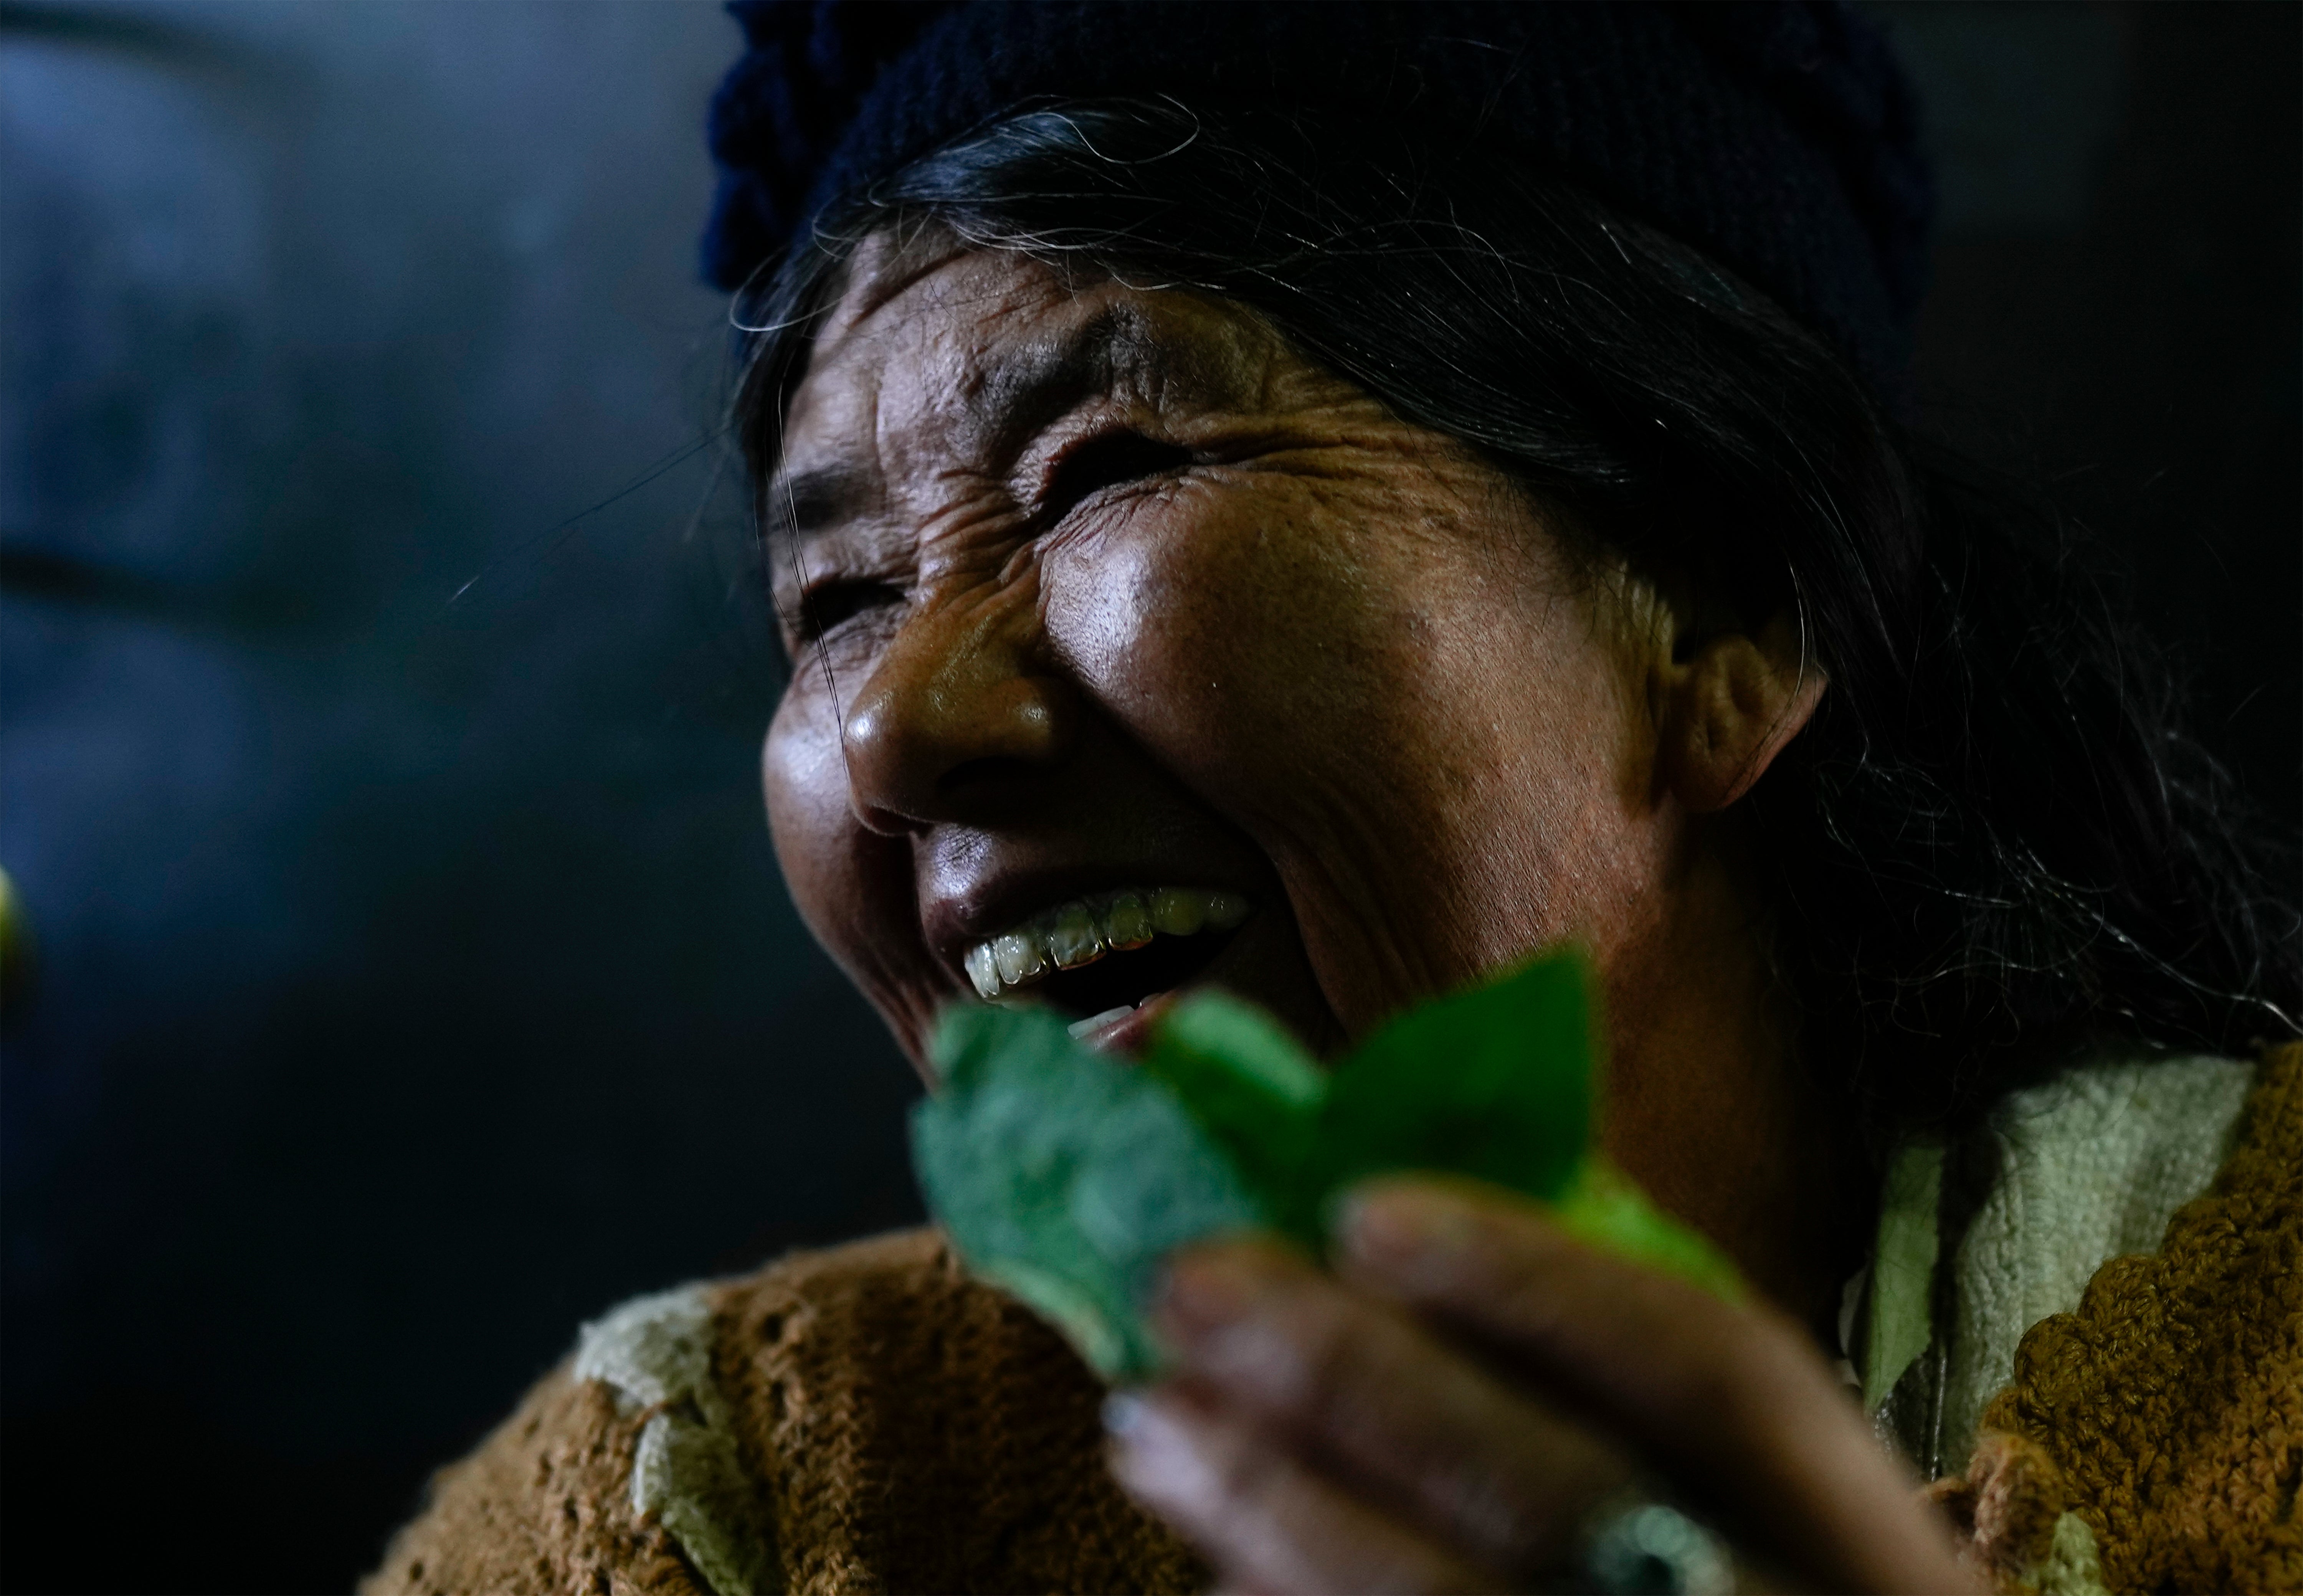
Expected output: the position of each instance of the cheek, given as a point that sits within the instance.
(1430, 745)
(854, 889)
(1214, 635)
(803, 778)
(1263, 647)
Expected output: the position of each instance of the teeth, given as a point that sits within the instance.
(1017, 955)
(1076, 937)
(1080, 1027)
(983, 969)
(1179, 911)
(1127, 924)
(1084, 930)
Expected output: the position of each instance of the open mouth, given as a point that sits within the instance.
(1095, 959)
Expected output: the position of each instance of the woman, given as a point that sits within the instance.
(1391, 488)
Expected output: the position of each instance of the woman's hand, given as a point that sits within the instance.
(1444, 1412)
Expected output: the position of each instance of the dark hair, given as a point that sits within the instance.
(1992, 847)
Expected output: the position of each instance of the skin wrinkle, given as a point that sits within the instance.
(1342, 666)
(1356, 817)
(1813, 1473)
(1311, 1355)
(1199, 1465)
(1459, 760)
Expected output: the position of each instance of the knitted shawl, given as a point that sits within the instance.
(866, 1418)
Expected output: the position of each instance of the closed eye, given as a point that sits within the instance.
(826, 606)
(1106, 461)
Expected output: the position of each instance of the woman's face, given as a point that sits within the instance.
(1109, 614)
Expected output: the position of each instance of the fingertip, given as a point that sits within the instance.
(1124, 1415)
(1149, 1436)
(1393, 1220)
(1203, 1289)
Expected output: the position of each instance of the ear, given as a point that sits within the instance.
(1729, 709)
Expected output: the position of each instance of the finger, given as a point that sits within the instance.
(1266, 1521)
(1733, 1399)
(1382, 1402)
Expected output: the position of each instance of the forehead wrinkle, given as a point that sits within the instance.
(931, 358)
(885, 267)
(1026, 383)
(1151, 351)
(1002, 382)
(913, 368)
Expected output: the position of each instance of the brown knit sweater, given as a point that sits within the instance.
(889, 1425)
(904, 1428)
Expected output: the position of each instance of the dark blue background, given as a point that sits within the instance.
(413, 976)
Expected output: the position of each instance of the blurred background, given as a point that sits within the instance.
(382, 666)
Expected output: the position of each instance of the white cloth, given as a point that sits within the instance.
(2089, 1166)
(655, 1352)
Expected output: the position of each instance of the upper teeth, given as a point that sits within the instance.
(1082, 930)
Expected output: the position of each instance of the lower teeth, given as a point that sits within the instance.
(1080, 1027)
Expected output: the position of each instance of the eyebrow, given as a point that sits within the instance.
(799, 504)
(1020, 392)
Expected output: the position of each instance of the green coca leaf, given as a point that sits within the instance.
(1494, 1082)
(1253, 1089)
(1066, 1175)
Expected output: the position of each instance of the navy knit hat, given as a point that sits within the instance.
(1781, 139)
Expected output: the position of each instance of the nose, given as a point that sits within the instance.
(957, 710)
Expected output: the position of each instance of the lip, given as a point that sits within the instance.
(974, 883)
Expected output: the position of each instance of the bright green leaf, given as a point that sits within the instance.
(1066, 1175)
(1494, 1082)
(1602, 1206)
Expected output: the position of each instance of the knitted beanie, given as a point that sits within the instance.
(1779, 138)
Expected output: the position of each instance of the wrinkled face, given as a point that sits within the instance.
(1132, 652)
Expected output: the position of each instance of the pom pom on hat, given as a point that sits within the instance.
(782, 108)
